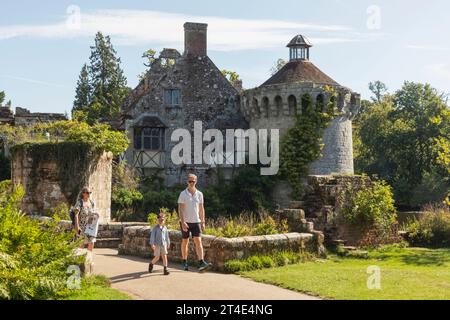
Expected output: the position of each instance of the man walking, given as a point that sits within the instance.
(192, 220)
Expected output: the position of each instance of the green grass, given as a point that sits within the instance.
(97, 288)
(406, 273)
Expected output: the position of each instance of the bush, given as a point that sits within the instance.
(371, 212)
(245, 225)
(60, 212)
(431, 229)
(278, 259)
(172, 220)
(34, 256)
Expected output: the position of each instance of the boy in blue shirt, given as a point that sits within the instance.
(160, 242)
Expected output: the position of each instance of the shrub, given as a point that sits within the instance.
(172, 220)
(34, 256)
(432, 228)
(372, 213)
(257, 262)
(60, 212)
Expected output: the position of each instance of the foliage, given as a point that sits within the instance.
(102, 86)
(371, 212)
(405, 140)
(34, 256)
(261, 262)
(2, 97)
(172, 220)
(245, 225)
(431, 229)
(232, 77)
(301, 145)
(280, 63)
(126, 199)
(248, 191)
(60, 212)
(379, 89)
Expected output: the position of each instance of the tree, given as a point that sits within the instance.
(232, 76)
(280, 63)
(2, 97)
(405, 139)
(379, 89)
(107, 83)
(83, 91)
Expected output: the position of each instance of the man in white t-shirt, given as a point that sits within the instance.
(192, 221)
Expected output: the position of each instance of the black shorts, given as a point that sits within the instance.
(194, 229)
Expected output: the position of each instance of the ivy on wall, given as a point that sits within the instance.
(72, 160)
(302, 144)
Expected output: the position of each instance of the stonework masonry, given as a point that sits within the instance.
(43, 190)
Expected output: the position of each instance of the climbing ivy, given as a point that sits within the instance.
(72, 161)
(302, 144)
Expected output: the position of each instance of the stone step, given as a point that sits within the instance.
(109, 243)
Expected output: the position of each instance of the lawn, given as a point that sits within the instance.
(97, 288)
(406, 274)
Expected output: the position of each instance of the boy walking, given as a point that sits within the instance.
(160, 242)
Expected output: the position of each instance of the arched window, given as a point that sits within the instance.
(320, 103)
(292, 102)
(306, 103)
(278, 105)
(265, 106)
(148, 138)
(255, 108)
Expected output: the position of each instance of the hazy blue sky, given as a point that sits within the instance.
(43, 44)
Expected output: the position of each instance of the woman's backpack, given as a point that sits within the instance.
(72, 210)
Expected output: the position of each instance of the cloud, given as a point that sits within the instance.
(429, 48)
(133, 27)
(44, 83)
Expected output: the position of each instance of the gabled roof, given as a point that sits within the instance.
(300, 71)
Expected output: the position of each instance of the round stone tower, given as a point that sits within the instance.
(275, 104)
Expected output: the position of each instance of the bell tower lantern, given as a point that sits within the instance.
(299, 48)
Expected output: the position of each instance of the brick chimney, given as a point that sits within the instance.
(195, 39)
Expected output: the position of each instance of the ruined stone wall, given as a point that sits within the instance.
(219, 250)
(41, 180)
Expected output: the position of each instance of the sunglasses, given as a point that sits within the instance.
(87, 192)
(192, 181)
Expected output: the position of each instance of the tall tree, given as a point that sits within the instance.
(278, 65)
(107, 83)
(2, 97)
(405, 139)
(83, 90)
(379, 89)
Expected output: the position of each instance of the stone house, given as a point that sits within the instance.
(178, 90)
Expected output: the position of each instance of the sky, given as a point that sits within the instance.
(43, 44)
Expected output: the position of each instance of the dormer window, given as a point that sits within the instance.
(172, 97)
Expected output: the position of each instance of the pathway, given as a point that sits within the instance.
(129, 275)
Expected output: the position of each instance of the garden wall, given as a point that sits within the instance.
(219, 250)
(52, 174)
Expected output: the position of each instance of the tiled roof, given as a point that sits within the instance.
(300, 71)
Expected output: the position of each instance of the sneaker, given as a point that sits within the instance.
(204, 265)
(150, 268)
(166, 272)
(185, 266)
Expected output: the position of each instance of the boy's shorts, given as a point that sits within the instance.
(160, 251)
(194, 229)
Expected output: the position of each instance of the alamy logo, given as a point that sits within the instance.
(259, 146)
(374, 279)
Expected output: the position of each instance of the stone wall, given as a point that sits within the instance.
(219, 250)
(322, 204)
(43, 187)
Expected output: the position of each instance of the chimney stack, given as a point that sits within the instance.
(195, 39)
